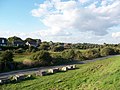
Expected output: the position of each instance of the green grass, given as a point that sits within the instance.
(99, 75)
(21, 57)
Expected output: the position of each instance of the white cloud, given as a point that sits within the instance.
(22, 35)
(64, 18)
(83, 37)
(83, 1)
(68, 15)
(116, 35)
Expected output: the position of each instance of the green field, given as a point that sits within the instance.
(21, 57)
(99, 75)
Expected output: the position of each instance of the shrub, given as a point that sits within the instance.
(57, 59)
(92, 53)
(79, 56)
(6, 60)
(20, 50)
(20, 66)
(28, 63)
(31, 49)
(44, 46)
(68, 54)
(107, 51)
(58, 48)
(116, 50)
(43, 57)
(6, 56)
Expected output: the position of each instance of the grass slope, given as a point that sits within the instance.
(99, 75)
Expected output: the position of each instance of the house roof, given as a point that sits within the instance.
(18, 42)
(3, 38)
(32, 43)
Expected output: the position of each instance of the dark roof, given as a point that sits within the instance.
(33, 43)
(3, 38)
(18, 42)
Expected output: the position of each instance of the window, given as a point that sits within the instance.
(3, 41)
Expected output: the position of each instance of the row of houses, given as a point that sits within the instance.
(4, 42)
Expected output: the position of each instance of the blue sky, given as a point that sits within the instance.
(15, 15)
(92, 21)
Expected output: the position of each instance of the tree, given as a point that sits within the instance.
(13, 39)
(44, 46)
(6, 58)
(43, 57)
(30, 40)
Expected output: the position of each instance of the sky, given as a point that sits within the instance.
(70, 21)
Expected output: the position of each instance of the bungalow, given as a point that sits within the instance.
(33, 43)
(18, 43)
(3, 41)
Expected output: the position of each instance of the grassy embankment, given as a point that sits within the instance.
(99, 75)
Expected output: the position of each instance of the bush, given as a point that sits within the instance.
(31, 49)
(6, 56)
(20, 65)
(116, 50)
(107, 51)
(43, 57)
(92, 53)
(58, 48)
(57, 59)
(20, 50)
(68, 54)
(79, 56)
(6, 60)
(1, 66)
(44, 46)
(28, 63)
